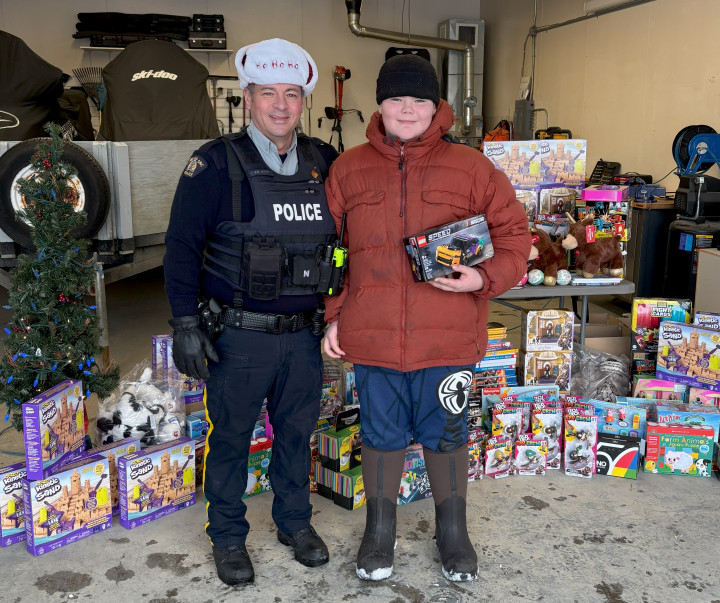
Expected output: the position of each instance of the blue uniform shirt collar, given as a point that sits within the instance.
(269, 152)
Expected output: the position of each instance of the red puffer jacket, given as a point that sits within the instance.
(390, 190)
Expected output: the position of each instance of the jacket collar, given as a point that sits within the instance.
(441, 123)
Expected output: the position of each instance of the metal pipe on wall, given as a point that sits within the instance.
(353, 9)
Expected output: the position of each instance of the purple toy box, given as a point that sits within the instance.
(66, 506)
(156, 481)
(112, 452)
(53, 429)
(12, 516)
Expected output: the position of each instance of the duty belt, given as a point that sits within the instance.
(270, 323)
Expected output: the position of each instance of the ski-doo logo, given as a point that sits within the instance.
(141, 75)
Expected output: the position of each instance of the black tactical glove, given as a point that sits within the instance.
(190, 347)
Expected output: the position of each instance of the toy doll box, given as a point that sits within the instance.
(66, 506)
(645, 386)
(549, 367)
(258, 463)
(112, 452)
(433, 252)
(617, 455)
(679, 450)
(53, 429)
(156, 481)
(547, 330)
(704, 396)
(12, 516)
(647, 313)
(689, 354)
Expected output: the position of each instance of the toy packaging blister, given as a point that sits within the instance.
(707, 320)
(414, 483)
(156, 481)
(549, 367)
(53, 428)
(112, 452)
(659, 389)
(690, 355)
(620, 419)
(547, 330)
(679, 450)
(529, 199)
(499, 457)
(258, 464)
(648, 313)
(704, 396)
(525, 406)
(12, 515)
(506, 422)
(618, 455)
(69, 505)
(530, 455)
(490, 395)
(433, 252)
(580, 444)
(546, 424)
(476, 454)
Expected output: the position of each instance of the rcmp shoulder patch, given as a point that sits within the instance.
(194, 166)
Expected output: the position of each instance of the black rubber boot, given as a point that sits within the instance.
(233, 564)
(382, 472)
(448, 479)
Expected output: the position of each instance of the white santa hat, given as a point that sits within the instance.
(276, 61)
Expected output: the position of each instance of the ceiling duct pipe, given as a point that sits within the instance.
(353, 9)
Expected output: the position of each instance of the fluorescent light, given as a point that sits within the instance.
(592, 6)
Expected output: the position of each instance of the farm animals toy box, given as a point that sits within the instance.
(679, 450)
(66, 506)
(12, 516)
(689, 354)
(258, 464)
(433, 252)
(53, 428)
(156, 481)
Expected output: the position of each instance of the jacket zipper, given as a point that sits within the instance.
(403, 200)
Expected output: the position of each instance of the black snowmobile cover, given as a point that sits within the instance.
(156, 91)
(29, 91)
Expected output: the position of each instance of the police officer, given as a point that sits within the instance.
(248, 218)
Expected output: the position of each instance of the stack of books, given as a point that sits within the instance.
(498, 367)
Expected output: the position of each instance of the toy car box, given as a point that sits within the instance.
(547, 330)
(433, 252)
(112, 452)
(707, 320)
(617, 455)
(647, 313)
(66, 506)
(689, 354)
(550, 367)
(12, 515)
(258, 463)
(156, 481)
(679, 450)
(53, 428)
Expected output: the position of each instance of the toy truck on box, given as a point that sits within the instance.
(459, 250)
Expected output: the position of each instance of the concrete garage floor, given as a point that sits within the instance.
(551, 538)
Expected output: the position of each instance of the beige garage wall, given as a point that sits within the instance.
(628, 82)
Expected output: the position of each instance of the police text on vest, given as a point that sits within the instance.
(297, 212)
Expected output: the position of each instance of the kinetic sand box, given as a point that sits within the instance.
(112, 451)
(156, 481)
(53, 428)
(66, 506)
(12, 516)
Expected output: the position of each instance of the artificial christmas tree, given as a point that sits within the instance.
(53, 334)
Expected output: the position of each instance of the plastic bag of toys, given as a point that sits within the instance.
(599, 375)
(141, 407)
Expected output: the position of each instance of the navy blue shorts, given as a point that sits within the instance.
(428, 405)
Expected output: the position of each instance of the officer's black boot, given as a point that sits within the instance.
(233, 564)
(382, 472)
(448, 480)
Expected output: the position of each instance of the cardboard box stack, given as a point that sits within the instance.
(546, 345)
(498, 366)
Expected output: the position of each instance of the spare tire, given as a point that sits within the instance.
(91, 187)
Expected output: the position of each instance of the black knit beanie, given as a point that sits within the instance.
(407, 75)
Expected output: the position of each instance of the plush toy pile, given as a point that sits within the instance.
(146, 409)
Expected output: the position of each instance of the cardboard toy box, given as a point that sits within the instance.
(707, 320)
(605, 192)
(349, 489)
(620, 419)
(339, 450)
(53, 428)
(112, 452)
(258, 463)
(529, 200)
(66, 506)
(645, 386)
(549, 367)
(535, 162)
(693, 415)
(618, 455)
(12, 515)
(703, 396)
(348, 384)
(547, 330)
(557, 200)
(433, 252)
(679, 450)
(156, 481)
(689, 354)
(414, 483)
(648, 313)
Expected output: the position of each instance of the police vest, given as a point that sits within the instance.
(277, 252)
